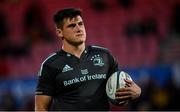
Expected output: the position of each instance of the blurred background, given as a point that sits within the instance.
(143, 36)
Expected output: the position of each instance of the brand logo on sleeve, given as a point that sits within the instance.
(67, 68)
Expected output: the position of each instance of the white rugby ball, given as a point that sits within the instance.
(115, 81)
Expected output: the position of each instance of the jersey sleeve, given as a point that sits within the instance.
(46, 81)
(113, 65)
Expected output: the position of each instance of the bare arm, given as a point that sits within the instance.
(42, 102)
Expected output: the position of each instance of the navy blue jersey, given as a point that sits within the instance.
(77, 83)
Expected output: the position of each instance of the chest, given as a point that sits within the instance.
(91, 69)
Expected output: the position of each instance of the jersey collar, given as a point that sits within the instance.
(64, 53)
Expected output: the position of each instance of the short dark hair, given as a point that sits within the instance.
(60, 15)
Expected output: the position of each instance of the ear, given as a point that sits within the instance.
(59, 32)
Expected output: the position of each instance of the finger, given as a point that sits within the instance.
(128, 81)
(122, 93)
(127, 85)
(127, 97)
(123, 89)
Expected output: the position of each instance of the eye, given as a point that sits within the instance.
(81, 23)
(71, 25)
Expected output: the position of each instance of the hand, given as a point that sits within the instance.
(131, 92)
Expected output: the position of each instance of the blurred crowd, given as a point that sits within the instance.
(143, 35)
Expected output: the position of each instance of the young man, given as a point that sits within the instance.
(75, 77)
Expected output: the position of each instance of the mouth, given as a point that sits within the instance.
(79, 35)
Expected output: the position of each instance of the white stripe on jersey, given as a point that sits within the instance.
(99, 47)
(39, 74)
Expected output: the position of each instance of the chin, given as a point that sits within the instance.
(81, 40)
(77, 43)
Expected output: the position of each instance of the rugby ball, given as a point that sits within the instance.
(115, 81)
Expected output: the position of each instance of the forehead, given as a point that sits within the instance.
(72, 20)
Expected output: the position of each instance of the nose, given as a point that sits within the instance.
(78, 28)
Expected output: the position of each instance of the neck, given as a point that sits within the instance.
(75, 50)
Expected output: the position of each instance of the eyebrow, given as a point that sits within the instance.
(73, 24)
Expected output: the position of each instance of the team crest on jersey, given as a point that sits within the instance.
(97, 60)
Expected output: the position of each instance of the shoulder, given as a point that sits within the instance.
(102, 50)
(50, 59)
(99, 48)
(47, 63)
